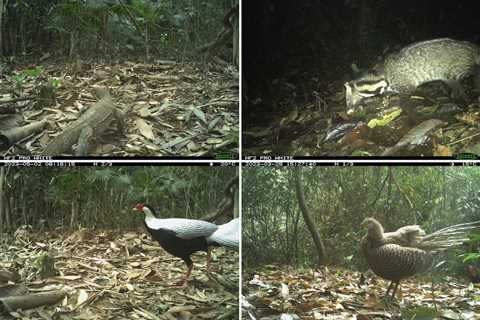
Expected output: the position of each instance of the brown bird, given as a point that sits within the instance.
(408, 251)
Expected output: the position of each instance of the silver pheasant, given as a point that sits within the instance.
(409, 250)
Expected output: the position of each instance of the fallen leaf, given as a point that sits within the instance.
(144, 128)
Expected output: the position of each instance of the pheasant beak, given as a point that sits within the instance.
(138, 208)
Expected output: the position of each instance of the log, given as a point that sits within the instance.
(13, 290)
(6, 276)
(31, 301)
(11, 136)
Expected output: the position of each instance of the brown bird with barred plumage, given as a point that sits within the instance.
(408, 251)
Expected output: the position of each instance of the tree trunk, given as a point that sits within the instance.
(1, 27)
(236, 38)
(236, 204)
(9, 212)
(322, 257)
(73, 215)
(23, 201)
(147, 46)
(2, 197)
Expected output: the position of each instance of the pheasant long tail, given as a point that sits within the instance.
(448, 237)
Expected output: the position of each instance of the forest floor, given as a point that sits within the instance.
(115, 275)
(339, 294)
(169, 108)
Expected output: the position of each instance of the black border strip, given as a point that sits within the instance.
(461, 156)
(221, 157)
(455, 163)
(107, 163)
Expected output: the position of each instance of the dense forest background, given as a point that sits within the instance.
(170, 67)
(71, 233)
(65, 198)
(107, 28)
(339, 198)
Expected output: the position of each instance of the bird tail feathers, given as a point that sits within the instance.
(227, 235)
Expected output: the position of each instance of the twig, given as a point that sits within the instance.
(460, 140)
(17, 100)
(216, 147)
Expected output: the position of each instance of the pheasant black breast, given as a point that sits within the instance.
(183, 237)
(409, 250)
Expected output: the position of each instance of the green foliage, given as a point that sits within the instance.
(55, 83)
(472, 256)
(339, 198)
(421, 313)
(33, 73)
(104, 196)
(166, 28)
(473, 244)
(19, 79)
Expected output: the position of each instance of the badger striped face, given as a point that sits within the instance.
(357, 90)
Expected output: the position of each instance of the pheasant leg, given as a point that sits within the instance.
(389, 287)
(183, 283)
(395, 289)
(210, 268)
(209, 260)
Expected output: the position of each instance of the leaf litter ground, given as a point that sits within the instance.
(275, 292)
(171, 109)
(108, 275)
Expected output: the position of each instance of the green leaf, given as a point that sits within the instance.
(421, 313)
(199, 114)
(55, 83)
(471, 256)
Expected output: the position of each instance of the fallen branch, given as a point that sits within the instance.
(6, 276)
(13, 290)
(17, 100)
(31, 301)
(11, 136)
